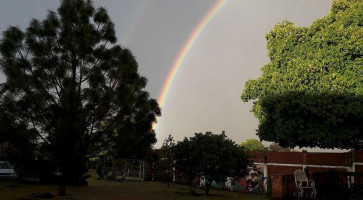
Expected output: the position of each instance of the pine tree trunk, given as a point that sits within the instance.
(61, 189)
(207, 186)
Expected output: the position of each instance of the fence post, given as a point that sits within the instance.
(265, 175)
(304, 158)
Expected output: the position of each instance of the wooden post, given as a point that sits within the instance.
(304, 158)
(265, 175)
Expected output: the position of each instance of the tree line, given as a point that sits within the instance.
(72, 93)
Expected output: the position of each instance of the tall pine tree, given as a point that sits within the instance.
(68, 79)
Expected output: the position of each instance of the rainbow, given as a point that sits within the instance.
(185, 50)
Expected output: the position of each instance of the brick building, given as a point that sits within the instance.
(287, 162)
(280, 166)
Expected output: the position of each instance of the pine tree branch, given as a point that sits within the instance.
(95, 65)
(38, 133)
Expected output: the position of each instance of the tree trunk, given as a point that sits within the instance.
(61, 189)
(207, 186)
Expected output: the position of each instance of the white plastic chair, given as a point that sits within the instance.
(304, 188)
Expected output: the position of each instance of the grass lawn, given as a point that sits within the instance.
(98, 189)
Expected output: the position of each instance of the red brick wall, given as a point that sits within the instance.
(301, 158)
(321, 169)
(282, 179)
(358, 156)
(272, 170)
(331, 159)
(285, 157)
(283, 186)
(307, 158)
(277, 157)
(257, 156)
(358, 168)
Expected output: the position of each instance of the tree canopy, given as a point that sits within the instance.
(210, 155)
(277, 148)
(310, 93)
(67, 79)
(253, 145)
(165, 162)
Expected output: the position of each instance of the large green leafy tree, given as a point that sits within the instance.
(253, 145)
(310, 94)
(67, 79)
(213, 156)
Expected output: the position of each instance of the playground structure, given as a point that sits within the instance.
(130, 170)
(134, 170)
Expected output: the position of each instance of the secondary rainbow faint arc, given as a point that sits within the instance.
(185, 50)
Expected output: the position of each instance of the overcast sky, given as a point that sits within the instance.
(205, 95)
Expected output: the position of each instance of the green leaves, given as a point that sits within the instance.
(212, 155)
(316, 61)
(253, 145)
(13, 41)
(325, 120)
